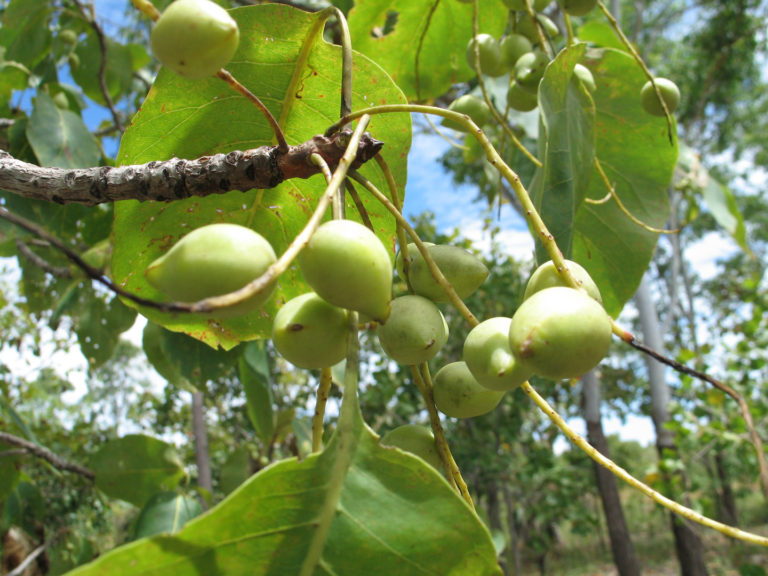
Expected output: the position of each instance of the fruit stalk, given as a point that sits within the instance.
(323, 390)
(619, 472)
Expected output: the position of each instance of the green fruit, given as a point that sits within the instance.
(520, 99)
(512, 47)
(490, 55)
(529, 70)
(214, 260)
(527, 28)
(61, 102)
(489, 358)
(417, 440)
(462, 269)
(560, 333)
(458, 394)
(546, 276)
(583, 73)
(68, 36)
(348, 266)
(669, 91)
(473, 107)
(577, 7)
(310, 333)
(415, 331)
(195, 38)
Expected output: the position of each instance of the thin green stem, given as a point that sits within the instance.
(619, 472)
(346, 57)
(323, 391)
(636, 55)
(400, 231)
(235, 84)
(433, 268)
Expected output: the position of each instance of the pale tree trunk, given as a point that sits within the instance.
(688, 545)
(621, 544)
(201, 443)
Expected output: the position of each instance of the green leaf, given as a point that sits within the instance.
(196, 362)
(566, 148)
(152, 343)
(117, 74)
(23, 507)
(10, 472)
(255, 378)
(25, 31)
(601, 34)
(60, 137)
(394, 514)
(99, 326)
(284, 60)
(166, 512)
(638, 159)
(135, 467)
(425, 50)
(236, 469)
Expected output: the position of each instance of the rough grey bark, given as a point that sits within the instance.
(622, 549)
(200, 432)
(175, 179)
(688, 545)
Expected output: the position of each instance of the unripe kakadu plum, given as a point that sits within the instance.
(489, 357)
(546, 276)
(458, 394)
(521, 99)
(348, 266)
(310, 333)
(529, 70)
(214, 260)
(473, 107)
(560, 333)
(527, 28)
(577, 7)
(512, 47)
(585, 75)
(669, 91)
(462, 269)
(414, 332)
(195, 38)
(417, 440)
(491, 61)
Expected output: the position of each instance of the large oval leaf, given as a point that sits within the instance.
(422, 43)
(638, 158)
(393, 515)
(284, 60)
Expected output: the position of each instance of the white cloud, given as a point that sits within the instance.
(704, 254)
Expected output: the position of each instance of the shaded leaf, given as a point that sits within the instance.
(236, 469)
(634, 150)
(394, 515)
(135, 467)
(59, 137)
(195, 361)
(25, 32)
(425, 49)
(255, 378)
(165, 512)
(10, 472)
(99, 326)
(285, 61)
(152, 343)
(566, 149)
(117, 74)
(24, 507)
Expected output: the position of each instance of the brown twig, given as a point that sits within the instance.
(175, 179)
(47, 455)
(42, 263)
(725, 389)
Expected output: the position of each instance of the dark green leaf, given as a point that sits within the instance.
(194, 360)
(152, 342)
(566, 148)
(25, 32)
(23, 507)
(422, 44)
(10, 472)
(166, 512)
(60, 137)
(255, 378)
(236, 469)
(135, 467)
(117, 74)
(99, 326)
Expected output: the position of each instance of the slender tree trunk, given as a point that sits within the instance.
(201, 443)
(688, 545)
(621, 544)
(514, 540)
